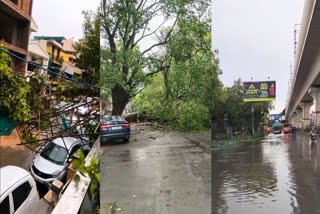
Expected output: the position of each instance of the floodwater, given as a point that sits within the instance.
(280, 175)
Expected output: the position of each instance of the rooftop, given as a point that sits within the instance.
(56, 38)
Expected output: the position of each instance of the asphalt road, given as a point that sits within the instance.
(158, 172)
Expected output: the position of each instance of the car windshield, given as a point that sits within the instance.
(54, 153)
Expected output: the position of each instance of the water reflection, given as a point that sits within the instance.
(280, 175)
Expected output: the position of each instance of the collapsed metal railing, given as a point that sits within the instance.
(62, 121)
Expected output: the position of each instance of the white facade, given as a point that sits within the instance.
(36, 53)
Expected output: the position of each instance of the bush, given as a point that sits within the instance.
(307, 129)
(192, 116)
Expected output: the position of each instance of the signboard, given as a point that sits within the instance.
(259, 91)
(274, 117)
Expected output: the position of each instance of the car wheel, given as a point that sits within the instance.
(126, 140)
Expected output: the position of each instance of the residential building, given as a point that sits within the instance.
(36, 53)
(62, 55)
(15, 21)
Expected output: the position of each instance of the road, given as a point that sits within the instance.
(280, 175)
(158, 172)
(13, 154)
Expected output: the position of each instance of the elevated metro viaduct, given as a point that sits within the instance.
(305, 85)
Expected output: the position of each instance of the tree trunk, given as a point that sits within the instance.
(120, 98)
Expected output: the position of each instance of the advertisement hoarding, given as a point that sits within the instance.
(259, 91)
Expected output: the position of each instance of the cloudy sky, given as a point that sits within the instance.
(255, 40)
(61, 17)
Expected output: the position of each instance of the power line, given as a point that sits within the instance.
(38, 66)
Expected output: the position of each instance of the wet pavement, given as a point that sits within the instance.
(13, 154)
(158, 172)
(280, 175)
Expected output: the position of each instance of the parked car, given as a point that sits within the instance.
(94, 99)
(84, 109)
(114, 127)
(53, 161)
(62, 105)
(18, 192)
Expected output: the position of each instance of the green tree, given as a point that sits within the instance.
(89, 47)
(239, 112)
(13, 92)
(181, 95)
(126, 67)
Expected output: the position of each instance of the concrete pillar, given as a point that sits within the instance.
(306, 113)
(299, 119)
(315, 93)
(293, 119)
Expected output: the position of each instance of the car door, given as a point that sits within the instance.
(24, 197)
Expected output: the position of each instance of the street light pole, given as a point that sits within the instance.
(252, 117)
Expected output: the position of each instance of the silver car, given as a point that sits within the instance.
(52, 162)
(83, 110)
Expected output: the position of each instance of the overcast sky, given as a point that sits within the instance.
(255, 40)
(61, 17)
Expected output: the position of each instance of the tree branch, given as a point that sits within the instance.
(149, 34)
(165, 40)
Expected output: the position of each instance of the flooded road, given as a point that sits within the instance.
(158, 172)
(280, 175)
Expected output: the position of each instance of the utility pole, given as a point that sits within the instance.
(252, 117)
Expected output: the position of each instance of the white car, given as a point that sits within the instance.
(83, 109)
(18, 192)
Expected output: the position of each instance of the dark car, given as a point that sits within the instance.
(114, 127)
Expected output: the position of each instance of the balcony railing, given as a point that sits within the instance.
(56, 58)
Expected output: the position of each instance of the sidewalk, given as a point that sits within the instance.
(12, 154)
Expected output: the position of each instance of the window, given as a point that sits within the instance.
(21, 194)
(14, 1)
(30, 8)
(5, 206)
(74, 149)
(54, 153)
(31, 67)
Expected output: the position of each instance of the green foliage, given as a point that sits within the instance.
(192, 116)
(58, 92)
(39, 106)
(126, 67)
(89, 47)
(180, 114)
(239, 113)
(92, 171)
(13, 92)
(27, 136)
(182, 94)
(90, 128)
(307, 129)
